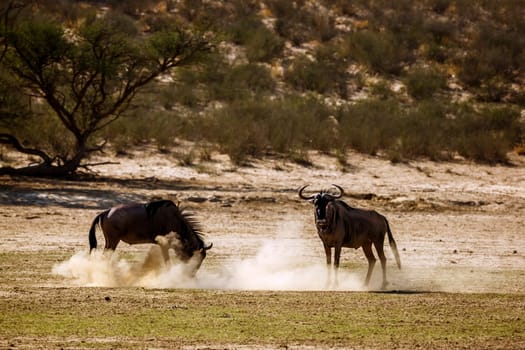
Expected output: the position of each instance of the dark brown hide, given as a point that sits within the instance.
(340, 225)
(142, 223)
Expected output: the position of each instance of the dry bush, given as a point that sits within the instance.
(432, 128)
(424, 82)
(300, 22)
(378, 50)
(369, 126)
(487, 134)
(493, 52)
(254, 127)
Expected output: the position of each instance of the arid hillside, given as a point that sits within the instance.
(436, 79)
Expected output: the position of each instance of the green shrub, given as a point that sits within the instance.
(263, 45)
(185, 92)
(305, 74)
(301, 23)
(440, 30)
(378, 50)
(39, 131)
(238, 129)
(240, 30)
(382, 90)
(369, 126)
(193, 10)
(212, 77)
(487, 134)
(493, 89)
(254, 127)
(323, 74)
(402, 20)
(494, 51)
(436, 52)
(221, 81)
(424, 82)
(484, 146)
(432, 129)
(423, 131)
(244, 81)
(139, 126)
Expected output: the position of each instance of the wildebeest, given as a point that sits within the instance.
(340, 225)
(142, 223)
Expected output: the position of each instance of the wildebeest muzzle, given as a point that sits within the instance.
(322, 225)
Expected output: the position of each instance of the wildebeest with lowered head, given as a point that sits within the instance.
(142, 223)
(340, 225)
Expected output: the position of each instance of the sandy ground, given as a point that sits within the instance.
(459, 228)
(458, 225)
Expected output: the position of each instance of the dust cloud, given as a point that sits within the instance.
(272, 268)
(277, 264)
(282, 260)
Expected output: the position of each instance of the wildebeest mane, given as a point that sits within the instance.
(188, 220)
(344, 204)
(192, 223)
(152, 207)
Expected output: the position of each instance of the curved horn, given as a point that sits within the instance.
(341, 191)
(208, 246)
(302, 195)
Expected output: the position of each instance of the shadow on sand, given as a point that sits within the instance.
(85, 193)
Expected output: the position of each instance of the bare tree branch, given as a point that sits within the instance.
(87, 165)
(8, 139)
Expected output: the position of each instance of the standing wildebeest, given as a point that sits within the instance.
(339, 225)
(142, 223)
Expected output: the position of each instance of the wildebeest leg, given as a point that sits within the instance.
(109, 248)
(337, 257)
(328, 253)
(382, 258)
(111, 243)
(367, 248)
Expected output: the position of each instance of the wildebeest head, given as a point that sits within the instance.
(321, 201)
(192, 246)
(188, 244)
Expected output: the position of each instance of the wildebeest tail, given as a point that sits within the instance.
(92, 230)
(393, 244)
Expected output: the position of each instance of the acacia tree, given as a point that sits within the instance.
(12, 106)
(76, 82)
